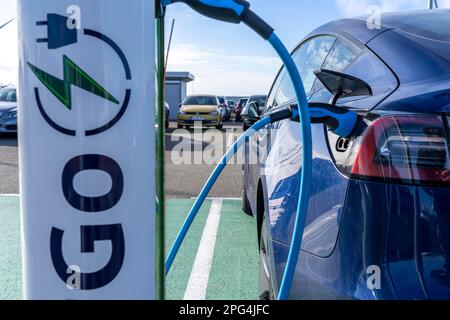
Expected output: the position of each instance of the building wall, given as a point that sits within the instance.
(173, 98)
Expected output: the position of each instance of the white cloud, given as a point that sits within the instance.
(219, 72)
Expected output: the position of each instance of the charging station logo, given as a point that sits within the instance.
(73, 75)
(60, 36)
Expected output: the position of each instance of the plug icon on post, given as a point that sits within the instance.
(58, 33)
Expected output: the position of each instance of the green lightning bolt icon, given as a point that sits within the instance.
(73, 75)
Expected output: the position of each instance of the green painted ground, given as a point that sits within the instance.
(178, 276)
(10, 260)
(235, 269)
(234, 272)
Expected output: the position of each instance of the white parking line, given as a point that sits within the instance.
(198, 280)
(213, 198)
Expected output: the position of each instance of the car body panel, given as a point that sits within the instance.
(424, 88)
(8, 116)
(353, 27)
(207, 120)
(328, 190)
(198, 109)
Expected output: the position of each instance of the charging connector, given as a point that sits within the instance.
(339, 120)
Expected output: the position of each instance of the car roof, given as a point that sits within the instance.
(357, 27)
(202, 95)
(8, 87)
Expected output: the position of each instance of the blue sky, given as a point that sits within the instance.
(229, 59)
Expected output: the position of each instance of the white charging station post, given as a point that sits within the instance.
(87, 148)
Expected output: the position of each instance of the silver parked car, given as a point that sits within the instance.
(8, 109)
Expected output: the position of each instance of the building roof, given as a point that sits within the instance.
(180, 76)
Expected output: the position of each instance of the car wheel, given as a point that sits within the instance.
(265, 283)
(219, 127)
(245, 203)
(179, 126)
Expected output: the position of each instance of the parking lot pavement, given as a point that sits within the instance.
(186, 180)
(232, 271)
(9, 167)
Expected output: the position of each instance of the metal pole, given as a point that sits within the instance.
(170, 43)
(5, 24)
(160, 150)
(432, 4)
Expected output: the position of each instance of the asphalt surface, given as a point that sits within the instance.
(183, 181)
(187, 180)
(9, 167)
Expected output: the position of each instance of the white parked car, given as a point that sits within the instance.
(8, 109)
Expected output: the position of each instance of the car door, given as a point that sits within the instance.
(328, 185)
(282, 165)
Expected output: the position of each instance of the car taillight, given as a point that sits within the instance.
(404, 149)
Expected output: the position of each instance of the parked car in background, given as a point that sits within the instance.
(240, 104)
(260, 102)
(200, 109)
(232, 106)
(8, 109)
(226, 111)
(166, 114)
(379, 202)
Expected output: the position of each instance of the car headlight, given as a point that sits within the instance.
(182, 112)
(214, 113)
(9, 115)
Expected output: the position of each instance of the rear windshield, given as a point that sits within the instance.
(432, 24)
(201, 101)
(8, 95)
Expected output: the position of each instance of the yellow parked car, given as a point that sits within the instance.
(200, 110)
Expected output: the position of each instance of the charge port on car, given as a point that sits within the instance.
(342, 144)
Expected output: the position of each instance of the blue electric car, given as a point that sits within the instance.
(378, 223)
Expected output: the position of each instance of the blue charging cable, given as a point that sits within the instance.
(306, 171)
(236, 11)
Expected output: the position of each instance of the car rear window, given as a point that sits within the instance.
(200, 100)
(432, 24)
